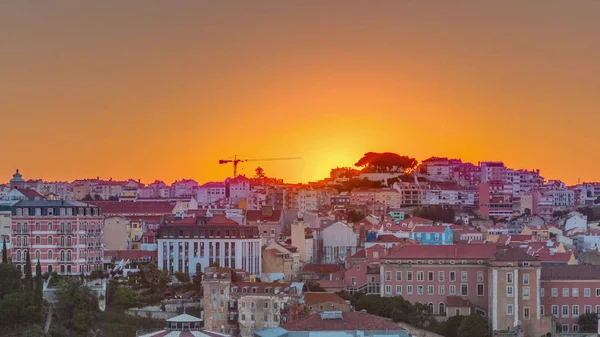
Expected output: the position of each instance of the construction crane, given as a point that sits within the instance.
(236, 161)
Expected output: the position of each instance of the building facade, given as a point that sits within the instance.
(65, 236)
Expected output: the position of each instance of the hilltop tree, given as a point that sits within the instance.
(10, 279)
(386, 162)
(4, 251)
(259, 173)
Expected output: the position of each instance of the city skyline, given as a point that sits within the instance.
(165, 92)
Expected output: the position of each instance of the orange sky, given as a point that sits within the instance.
(149, 89)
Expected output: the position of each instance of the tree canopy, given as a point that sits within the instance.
(4, 251)
(259, 173)
(10, 279)
(435, 213)
(386, 162)
(588, 322)
(473, 325)
(78, 308)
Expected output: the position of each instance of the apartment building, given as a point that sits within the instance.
(191, 244)
(236, 306)
(65, 236)
(499, 283)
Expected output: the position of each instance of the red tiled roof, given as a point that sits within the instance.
(184, 221)
(429, 229)
(387, 238)
(150, 207)
(253, 215)
(312, 298)
(546, 256)
(512, 254)
(457, 251)
(322, 268)
(521, 238)
(457, 302)
(354, 320)
(220, 219)
(361, 254)
(30, 193)
(571, 272)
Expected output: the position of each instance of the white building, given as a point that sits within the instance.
(575, 220)
(588, 241)
(339, 239)
(192, 244)
(185, 187)
(210, 192)
(238, 188)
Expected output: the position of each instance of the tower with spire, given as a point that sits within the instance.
(17, 180)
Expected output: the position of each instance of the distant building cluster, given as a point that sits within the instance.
(461, 238)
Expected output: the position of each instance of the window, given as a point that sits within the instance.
(409, 276)
(409, 290)
(419, 276)
(464, 289)
(598, 309)
(457, 312)
(509, 291)
(452, 276)
(575, 328)
(587, 309)
(480, 289)
(266, 305)
(575, 311)
(441, 276)
(555, 310)
(50, 255)
(565, 328)
(398, 276)
(442, 308)
(526, 279)
(565, 311)
(526, 313)
(38, 255)
(542, 310)
(430, 290)
(452, 290)
(479, 276)
(509, 277)
(354, 281)
(388, 290)
(441, 290)
(388, 275)
(554, 292)
(38, 240)
(542, 292)
(419, 290)
(398, 290)
(430, 276)
(587, 292)
(525, 293)
(575, 292)
(597, 292)
(463, 276)
(509, 310)
(38, 226)
(565, 292)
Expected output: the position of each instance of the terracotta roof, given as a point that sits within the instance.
(546, 256)
(429, 229)
(361, 254)
(521, 238)
(272, 216)
(312, 298)
(457, 302)
(354, 320)
(512, 254)
(386, 238)
(456, 252)
(150, 207)
(220, 219)
(417, 220)
(30, 193)
(184, 221)
(571, 272)
(322, 268)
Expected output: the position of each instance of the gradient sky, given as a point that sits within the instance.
(162, 89)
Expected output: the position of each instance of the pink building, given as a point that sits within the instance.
(65, 236)
(568, 292)
(359, 196)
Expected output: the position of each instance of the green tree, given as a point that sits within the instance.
(4, 251)
(451, 326)
(355, 216)
(259, 173)
(28, 273)
(39, 285)
(34, 330)
(124, 296)
(473, 325)
(78, 307)
(153, 277)
(386, 162)
(10, 279)
(588, 322)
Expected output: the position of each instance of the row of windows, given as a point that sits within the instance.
(64, 255)
(587, 292)
(61, 211)
(526, 311)
(441, 290)
(564, 310)
(525, 292)
(441, 276)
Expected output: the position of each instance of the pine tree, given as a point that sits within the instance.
(28, 275)
(4, 251)
(39, 285)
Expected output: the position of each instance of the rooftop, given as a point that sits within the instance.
(150, 207)
(570, 272)
(457, 252)
(355, 320)
(312, 298)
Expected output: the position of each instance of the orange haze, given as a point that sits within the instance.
(152, 89)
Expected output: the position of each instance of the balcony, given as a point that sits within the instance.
(65, 259)
(65, 245)
(65, 231)
(23, 231)
(22, 245)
